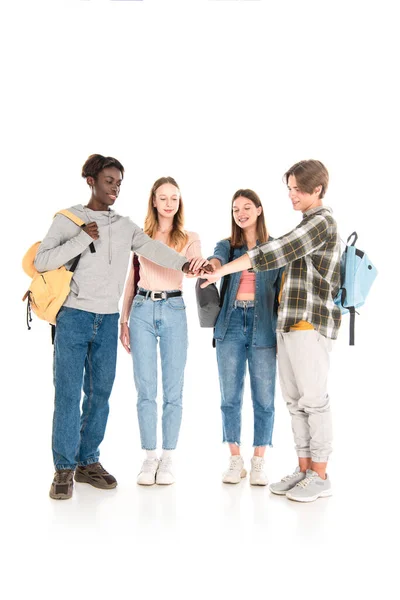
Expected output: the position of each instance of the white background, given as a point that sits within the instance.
(219, 95)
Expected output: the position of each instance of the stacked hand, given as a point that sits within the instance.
(210, 277)
(197, 267)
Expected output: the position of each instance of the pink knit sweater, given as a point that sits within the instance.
(156, 278)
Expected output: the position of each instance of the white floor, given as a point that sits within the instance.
(225, 96)
(200, 537)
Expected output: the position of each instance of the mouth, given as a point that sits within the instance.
(112, 196)
(243, 220)
(168, 210)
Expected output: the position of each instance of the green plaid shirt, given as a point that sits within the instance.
(312, 276)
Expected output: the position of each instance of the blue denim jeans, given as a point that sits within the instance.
(150, 321)
(85, 353)
(232, 354)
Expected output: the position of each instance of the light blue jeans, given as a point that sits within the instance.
(150, 321)
(85, 353)
(233, 353)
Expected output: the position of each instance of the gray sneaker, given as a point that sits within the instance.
(310, 488)
(287, 483)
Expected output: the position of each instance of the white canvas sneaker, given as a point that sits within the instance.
(310, 488)
(236, 470)
(257, 473)
(164, 474)
(147, 475)
(287, 483)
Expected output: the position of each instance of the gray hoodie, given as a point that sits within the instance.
(99, 278)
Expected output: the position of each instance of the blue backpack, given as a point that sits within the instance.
(357, 274)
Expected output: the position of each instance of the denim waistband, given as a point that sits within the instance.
(243, 304)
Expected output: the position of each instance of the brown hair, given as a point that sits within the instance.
(237, 238)
(178, 237)
(309, 175)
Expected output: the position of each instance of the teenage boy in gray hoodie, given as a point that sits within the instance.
(85, 344)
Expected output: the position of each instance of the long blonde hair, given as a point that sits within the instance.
(178, 237)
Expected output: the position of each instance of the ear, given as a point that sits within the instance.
(90, 181)
(259, 210)
(318, 190)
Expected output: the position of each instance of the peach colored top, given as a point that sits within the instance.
(247, 283)
(156, 278)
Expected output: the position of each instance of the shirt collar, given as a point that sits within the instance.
(315, 210)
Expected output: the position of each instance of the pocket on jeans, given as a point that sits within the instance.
(138, 301)
(60, 313)
(176, 303)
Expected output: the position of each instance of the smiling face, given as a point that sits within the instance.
(166, 200)
(302, 200)
(106, 187)
(245, 212)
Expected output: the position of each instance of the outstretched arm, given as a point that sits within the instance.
(240, 264)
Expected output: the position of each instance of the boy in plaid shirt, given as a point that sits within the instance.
(308, 322)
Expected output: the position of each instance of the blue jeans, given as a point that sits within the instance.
(232, 354)
(150, 321)
(85, 353)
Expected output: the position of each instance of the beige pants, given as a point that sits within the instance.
(303, 362)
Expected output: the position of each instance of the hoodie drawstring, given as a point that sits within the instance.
(109, 238)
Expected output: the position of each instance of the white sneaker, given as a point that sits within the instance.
(257, 473)
(147, 475)
(236, 470)
(164, 474)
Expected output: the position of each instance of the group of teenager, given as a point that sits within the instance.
(278, 307)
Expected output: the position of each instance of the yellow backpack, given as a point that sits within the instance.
(48, 291)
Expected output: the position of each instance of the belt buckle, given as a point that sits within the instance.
(163, 296)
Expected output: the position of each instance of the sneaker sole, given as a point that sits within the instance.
(278, 492)
(242, 475)
(146, 484)
(165, 482)
(264, 483)
(310, 499)
(60, 496)
(83, 479)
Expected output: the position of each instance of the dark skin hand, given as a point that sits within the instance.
(92, 230)
(206, 268)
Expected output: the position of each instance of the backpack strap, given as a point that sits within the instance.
(70, 215)
(352, 312)
(136, 275)
(224, 288)
(226, 280)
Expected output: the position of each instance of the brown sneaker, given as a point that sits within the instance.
(96, 476)
(63, 485)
